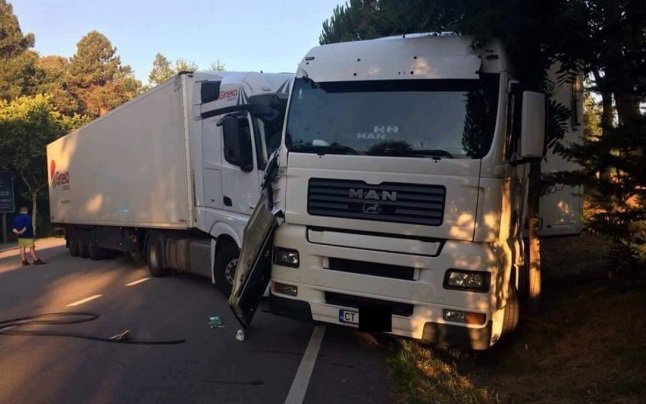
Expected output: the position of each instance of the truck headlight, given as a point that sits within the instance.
(286, 257)
(476, 281)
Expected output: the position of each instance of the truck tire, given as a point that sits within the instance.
(137, 257)
(83, 247)
(226, 261)
(73, 246)
(155, 257)
(94, 251)
(512, 313)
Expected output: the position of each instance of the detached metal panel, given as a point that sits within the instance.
(127, 168)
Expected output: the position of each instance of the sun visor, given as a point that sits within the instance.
(388, 68)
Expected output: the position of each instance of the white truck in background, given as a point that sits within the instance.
(172, 175)
(397, 201)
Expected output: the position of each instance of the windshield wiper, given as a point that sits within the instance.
(413, 153)
(321, 150)
(434, 153)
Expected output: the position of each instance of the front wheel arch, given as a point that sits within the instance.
(227, 253)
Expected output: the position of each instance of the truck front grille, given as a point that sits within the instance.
(386, 202)
(339, 299)
(372, 268)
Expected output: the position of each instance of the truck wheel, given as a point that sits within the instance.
(137, 256)
(512, 313)
(73, 244)
(226, 262)
(94, 251)
(155, 257)
(83, 247)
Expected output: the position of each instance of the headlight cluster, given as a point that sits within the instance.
(476, 281)
(286, 257)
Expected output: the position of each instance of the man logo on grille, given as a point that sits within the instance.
(371, 208)
(371, 194)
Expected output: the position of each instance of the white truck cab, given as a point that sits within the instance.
(398, 199)
(172, 176)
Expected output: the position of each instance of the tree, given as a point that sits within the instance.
(27, 125)
(183, 65)
(162, 70)
(51, 76)
(97, 78)
(17, 60)
(217, 66)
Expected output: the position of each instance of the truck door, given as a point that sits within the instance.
(212, 163)
(254, 266)
(240, 176)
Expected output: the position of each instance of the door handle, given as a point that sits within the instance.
(227, 201)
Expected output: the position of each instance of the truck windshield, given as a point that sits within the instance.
(411, 118)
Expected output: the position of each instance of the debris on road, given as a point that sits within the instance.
(215, 322)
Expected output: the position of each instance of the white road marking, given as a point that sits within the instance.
(297, 392)
(137, 282)
(87, 299)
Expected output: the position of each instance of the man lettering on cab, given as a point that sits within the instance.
(22, 227)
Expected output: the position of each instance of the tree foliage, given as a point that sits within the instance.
(97, 78)
(162, 70)
(27, 125)
(17, 60)
(217, 66)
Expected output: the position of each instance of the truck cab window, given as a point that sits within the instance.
(238, 149)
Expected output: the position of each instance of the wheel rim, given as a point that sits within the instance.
(230, 270)
(152, 257)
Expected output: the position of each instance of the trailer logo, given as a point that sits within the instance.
(58, 178)
(228, 94)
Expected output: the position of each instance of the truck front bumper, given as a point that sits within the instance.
(433, 333)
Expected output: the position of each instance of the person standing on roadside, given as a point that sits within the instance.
(22, 227)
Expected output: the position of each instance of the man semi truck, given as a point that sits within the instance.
(171, 176)
(400, 191)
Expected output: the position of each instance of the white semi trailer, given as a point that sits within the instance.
(399, 192)
(171, 176)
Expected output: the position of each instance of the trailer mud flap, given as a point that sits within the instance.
(254, 266)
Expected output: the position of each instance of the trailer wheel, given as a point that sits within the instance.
(512, 313)
(83, 247)
(94, 251)
(155, 257)
(226, 261)
(73, 246)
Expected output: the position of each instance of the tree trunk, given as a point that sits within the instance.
(627, 108)
(533, 197)
(606, 101)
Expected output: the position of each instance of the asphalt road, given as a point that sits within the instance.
(210, 367)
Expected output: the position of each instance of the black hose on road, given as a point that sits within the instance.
(7, 327)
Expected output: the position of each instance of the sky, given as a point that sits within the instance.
(245, 35)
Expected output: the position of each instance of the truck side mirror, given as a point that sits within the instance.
(532, 138)
(237, 142)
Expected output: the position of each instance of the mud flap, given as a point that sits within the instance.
(254, 266)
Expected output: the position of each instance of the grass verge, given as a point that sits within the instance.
(587, 345)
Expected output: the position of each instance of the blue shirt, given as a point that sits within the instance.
(20, 222)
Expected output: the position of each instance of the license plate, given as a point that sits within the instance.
(349, 316)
